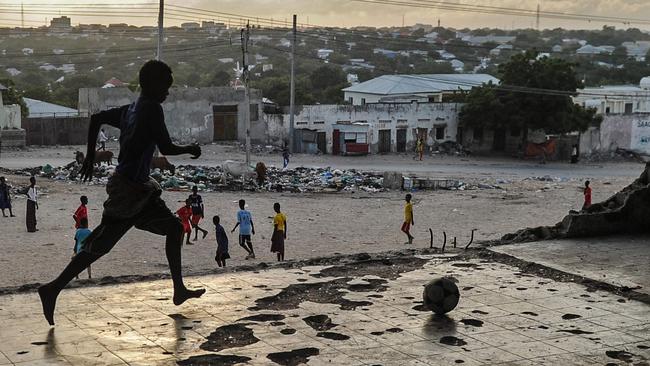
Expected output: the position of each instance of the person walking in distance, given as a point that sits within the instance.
(587, 194)
(133, 197)
(222, 243)
(420, 148)
(5, 198)
(285, 157)
(102, 140)
(198, 211)
(82, 233)
(32, 205)
(185, 213)
(279, 232)
(408, 219)
(81, 213)
(246, 229)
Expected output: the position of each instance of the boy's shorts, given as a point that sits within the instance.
(406, 226)
(196, 219)
(245, 239)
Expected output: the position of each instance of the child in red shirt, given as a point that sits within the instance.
(184, 213)
(587, 193)
(81, 213)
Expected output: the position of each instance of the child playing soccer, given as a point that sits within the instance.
(196, 202)
(246, 229)
(279, 232)
(184, 213)
(82, 233)
(81, 213)
(222, 243)
(408, 219)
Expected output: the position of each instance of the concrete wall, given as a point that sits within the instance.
(376, 98)
(10, 117)
(385, 116)
(188, 111)
(631, 132)
(56, 131)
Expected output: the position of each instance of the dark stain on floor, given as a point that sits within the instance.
(452, 341)
(571, 316)
(529, 313)
(288, 331)
(641, 346)
(382, 267)
(319, 322)
(333, 336)
(480, 312)
(575, 331)
(620, 355)
(294, 357)
(39, 343)
(209, 360)
(276, 324)
(229, 336)
(465, 265)
(263, 318)
(394, 330)
(472, 322)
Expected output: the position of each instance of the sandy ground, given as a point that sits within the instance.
(319, 224)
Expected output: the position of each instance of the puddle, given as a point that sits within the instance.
(263, 317)
(465, 265)
(620, 355)
(376, 333)
(575, 331)
(333, 336)
(529, 313)
(641, 346)
(394, 330)
(467, 288)
(480, 312)
(319, 322)
(39, 343)
(229, 336)
(472, 322)
(288, 331)
(293, 358)
(206, 360)
(276, 324)
(542, 327)
(571, 316)
(452, 341)
(521, 288)
(376, 296)
(22, 352)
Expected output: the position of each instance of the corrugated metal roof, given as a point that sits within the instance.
(425, 83)
(39, 108)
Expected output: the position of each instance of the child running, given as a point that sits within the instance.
(82, 233)
(408, 219)
(222, 243)
(81, 213)
(184, 213)
(279, 232)
(246, 229)
(196, 202)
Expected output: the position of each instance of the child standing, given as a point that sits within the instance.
(246, 229)
(408, 219)
(285, 157)
(279, 232)
(587, 193)
(184, 213)
(196, 202)
(222, 243)
(79, 237)
(32, 206)
(5, 198)
(81, 213)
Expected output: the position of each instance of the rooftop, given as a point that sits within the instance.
(39, 108)
(425, 83)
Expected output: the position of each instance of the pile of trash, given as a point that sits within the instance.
(232, 176)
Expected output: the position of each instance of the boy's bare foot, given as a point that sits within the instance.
(48, 300)
(185, 294)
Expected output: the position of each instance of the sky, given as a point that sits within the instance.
(346, 13)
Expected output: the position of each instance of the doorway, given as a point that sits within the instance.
(401, 140)
(499, 143)
(384, 141)
(321, 141)
(225, 122)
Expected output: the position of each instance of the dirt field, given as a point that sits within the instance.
(319, 224)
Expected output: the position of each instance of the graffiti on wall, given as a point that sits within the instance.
(641, 135)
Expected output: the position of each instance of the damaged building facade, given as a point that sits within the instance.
(363, 129)
(202, 115)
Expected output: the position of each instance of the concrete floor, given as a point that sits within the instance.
(504, 317)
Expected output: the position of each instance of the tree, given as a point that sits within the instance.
(13, 96)
(534, 94)
(219, 78)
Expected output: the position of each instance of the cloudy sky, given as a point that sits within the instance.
(339, 12)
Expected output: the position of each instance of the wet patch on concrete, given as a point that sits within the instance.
(452, 341)
(288, 331)
(39, 343)
(229, 336)
(382, 267)
(480, 312)
(529, 313)
(276, 324)
(263, 318)
(472, 322)
(333, 336)
(394, 330)
(294, 357)
(209, 360)
(571, 316)
(376, 333)
(376, 296)
(575, 331)
(319, 322)
(642, 346)
(620, 355)
(465, 265)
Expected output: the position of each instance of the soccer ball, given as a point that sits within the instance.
(441, 295)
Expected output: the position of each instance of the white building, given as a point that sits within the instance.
(40, 109)
(426, 87)
(595, 50)
(324, 53)
(617, 99)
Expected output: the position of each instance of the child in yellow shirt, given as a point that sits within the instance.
(279, 232)
(408, 219)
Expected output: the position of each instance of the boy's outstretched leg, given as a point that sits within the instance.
(173, 252)
(49, 292)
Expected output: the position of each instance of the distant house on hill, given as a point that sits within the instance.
(114, 83)
(588, 50)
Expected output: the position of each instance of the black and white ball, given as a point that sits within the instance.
(441, 295)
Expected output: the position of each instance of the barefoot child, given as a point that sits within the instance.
(587, 193)
(279, 232)
(184, 213)
(133, 197)
(246, 229)
(5, 198)
(82, 233)
(408, 219)
(81, 213)
(222, 243)
(196, 202)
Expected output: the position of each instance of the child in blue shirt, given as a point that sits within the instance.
(79, 237)
(246, 229)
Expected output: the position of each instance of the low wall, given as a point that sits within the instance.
(56, 131)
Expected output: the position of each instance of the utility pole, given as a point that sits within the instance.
(292, 98)
(537, 18)
(245, 36)
(161, 12)
(22, 16)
